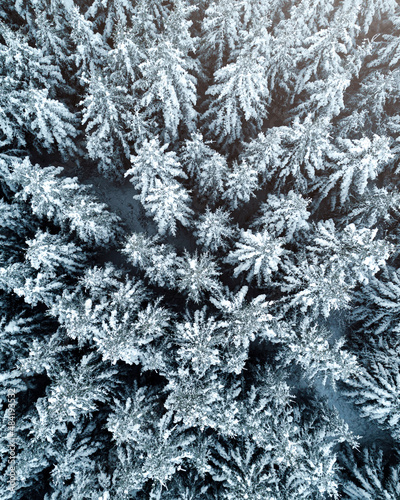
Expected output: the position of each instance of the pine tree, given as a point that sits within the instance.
(128, 338)
(265, 415)
(47, 252)
(109, 120)
(17, 225)
(186, 486)
(43, 353)
(377, 206)
(287, 34)
(378, 93)
(30, 463)
(321, 59)
(29, 110)
(245, 322)
(61, 199)
(107, 14)
(119, 326)
(208, 168)
(292, 154)
(214, 230)
(239, 97)
(244, 472)
(126, 56)
(168, 204)
(158, 375)
(315, 287)
(387, 48)
(356, 163)
(77, 390)
(160, 454)
(130, 420)
(157, 260)
(220, 32)
(372, 13)
(152, 162)
(199, 342)
(89, 48)
(294, 461)
(241, 184)
(168, 89)
(154, 172)
(258, 253)
(206, 402)
(325, 283)
(376, 386)
(71, 456)
(48, 260)
(284, 215)
(34, 287)
(31, 67)
(263, 153)
(320, 358)
(355, 250)
(369, 478)
(377, 304)
(197, 275)
(50, 28)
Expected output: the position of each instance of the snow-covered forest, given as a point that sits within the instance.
(199, 249)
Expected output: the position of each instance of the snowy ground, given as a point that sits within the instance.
(119, 198)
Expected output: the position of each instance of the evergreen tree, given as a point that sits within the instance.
(356, 164)
(107, 14)
(199, 340)
(77, 390)
(47, 252)
(29, 110)
(89, 48)
(292, 154)
(197, 275)
(214, 230)
(326, 65)
(208, 168)
(376, 386)
(168, 89)
(284, 215)
(107, 117)
(377, 206)
(376, 306)
(168, 204)
(258, 253)
(356, 250)
(239, 96)
(245, 323)
(244, 472)
(61, 199)
(321, 359)
(220, 32)
(369, 479)
(153, 162)
(158, 261)
(241, 184)
(315, 287)
(154, 173)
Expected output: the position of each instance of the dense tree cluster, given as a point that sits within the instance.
(260, 139)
